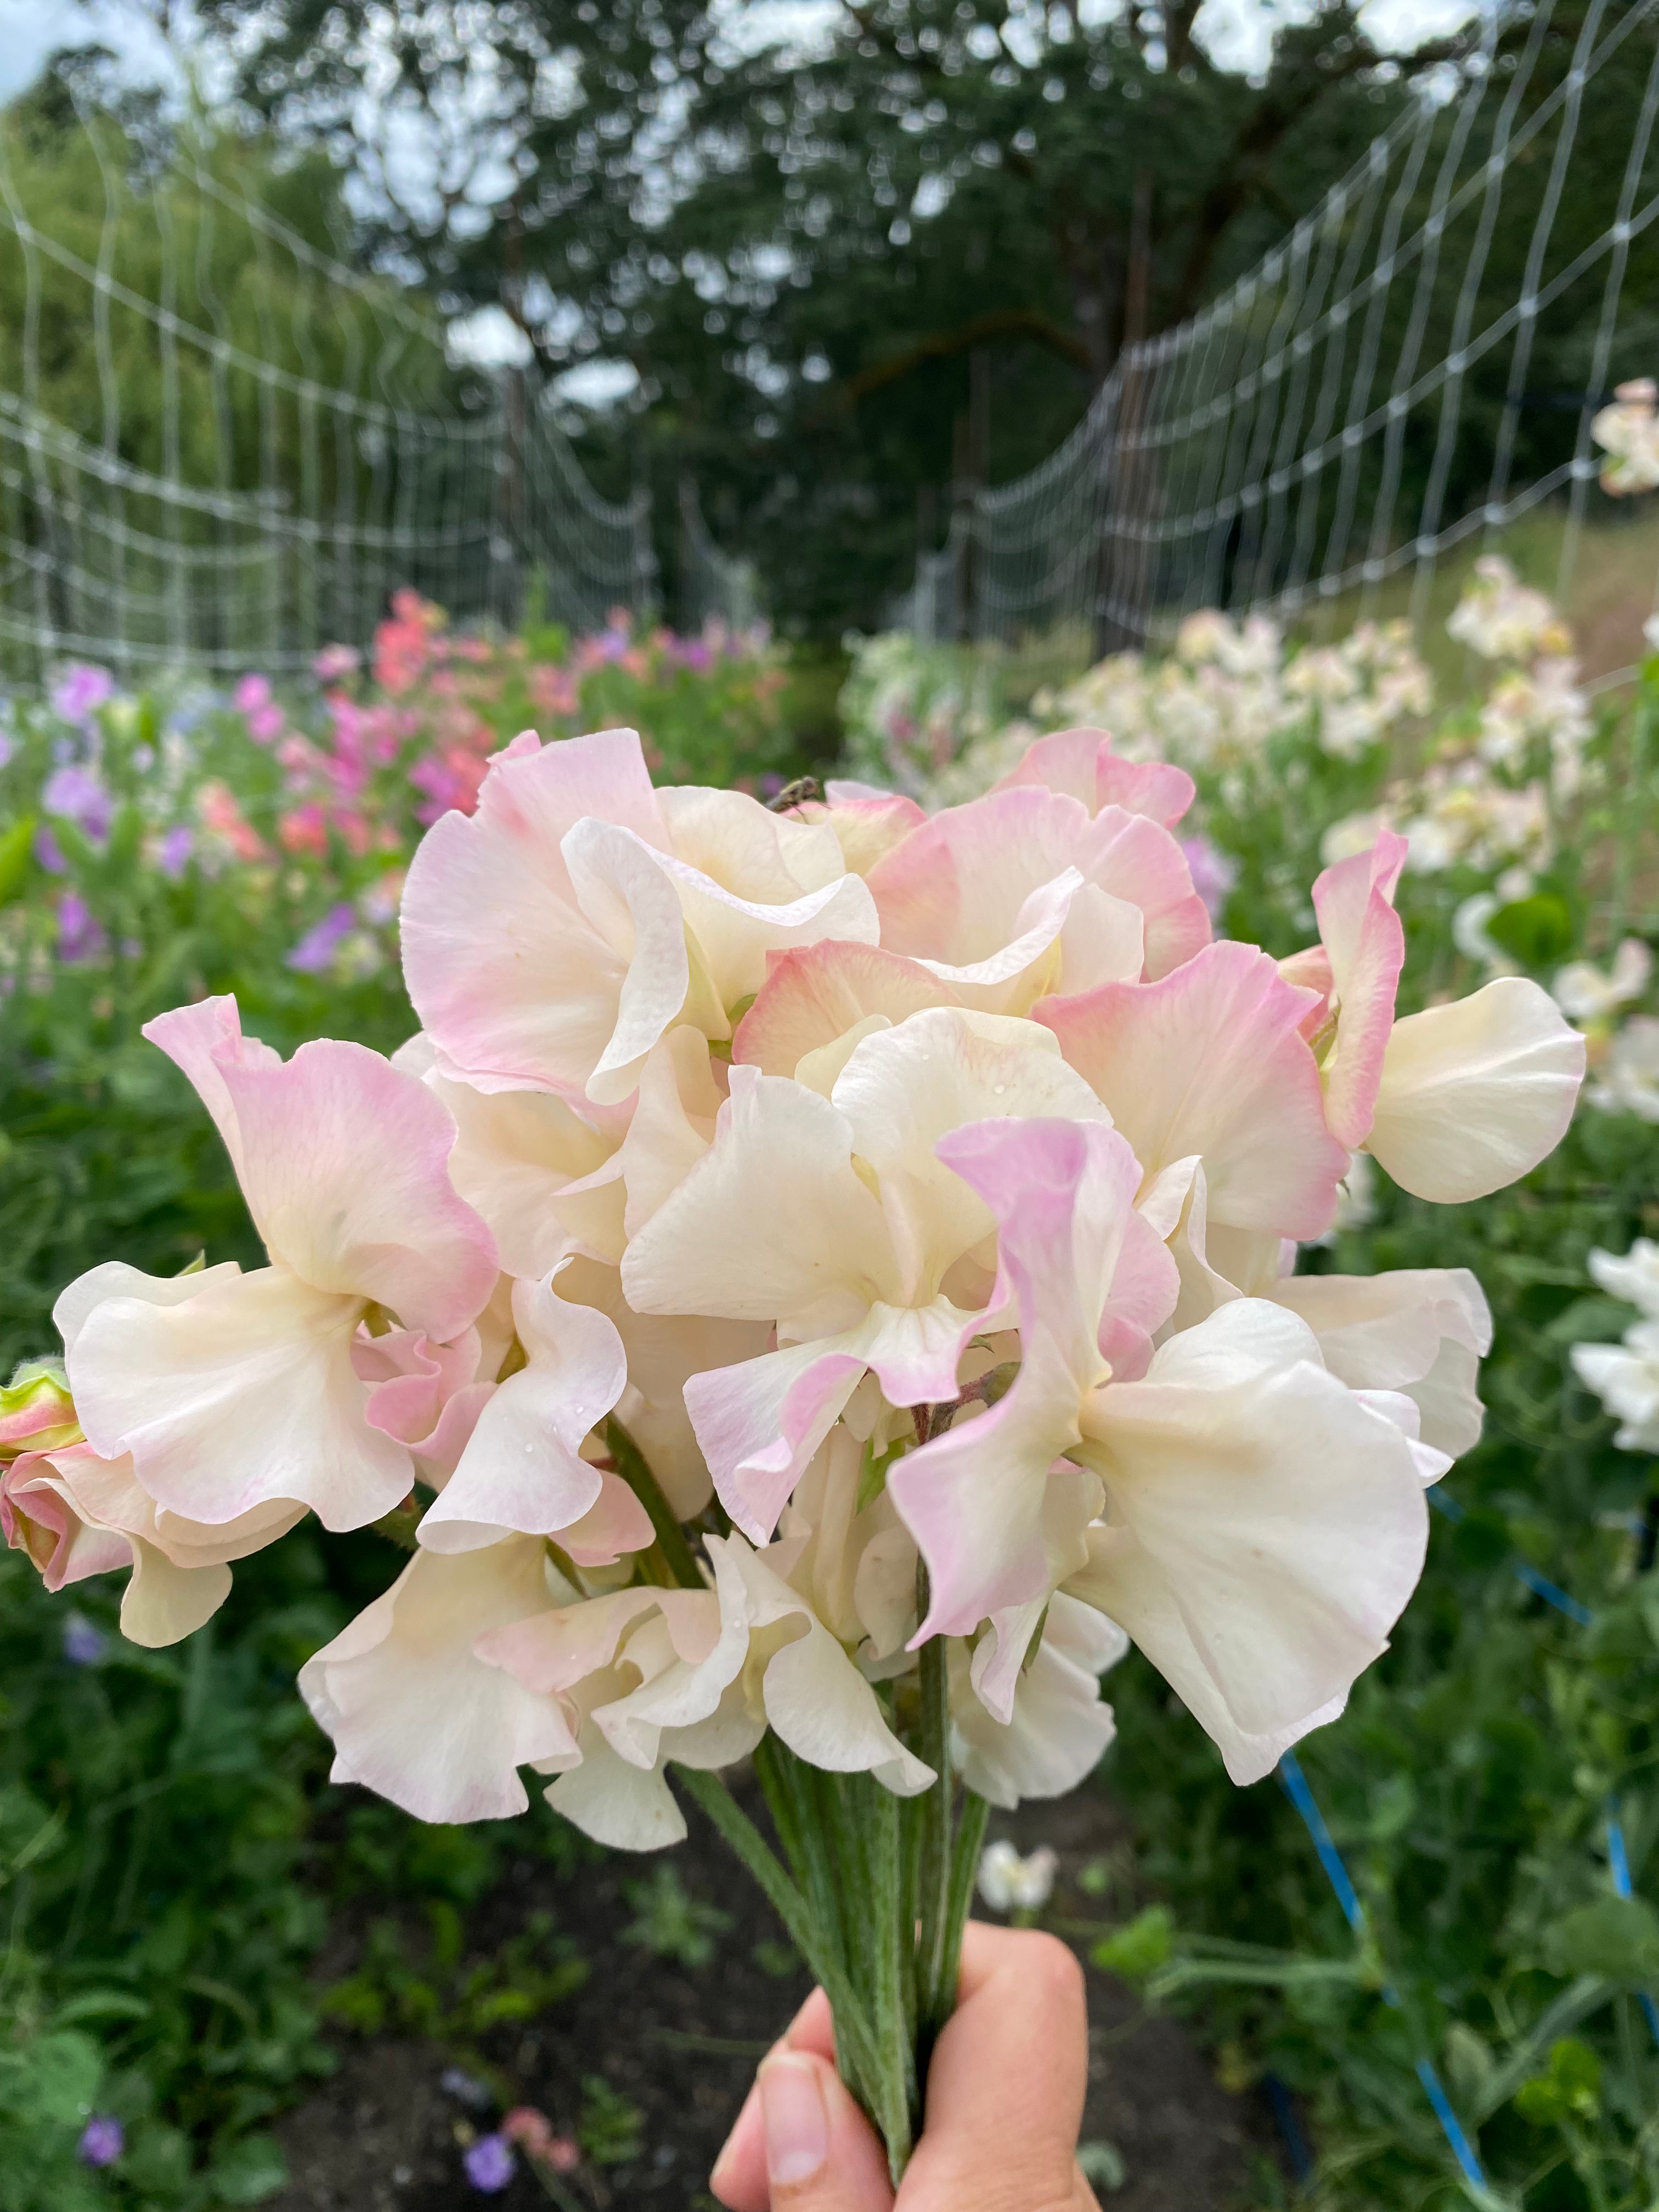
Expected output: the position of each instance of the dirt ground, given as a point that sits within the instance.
(386, 2135)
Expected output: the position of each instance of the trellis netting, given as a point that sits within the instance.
(1420, 362)
(221, 444)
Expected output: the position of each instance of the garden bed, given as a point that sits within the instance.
(677, 2046)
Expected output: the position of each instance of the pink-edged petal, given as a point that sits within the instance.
(625, 888)
(545, 1179)
(551, 1652)
(674, 1112)
(1310, 970)
(37, 1515)
(522, 1469)
(427, 1396)
(772, 1223)
(519, 987)
(239, 1396)
(414, 1714)
(988, 1514)
(1137, 860)
(1366, 943)
(1210, 1062)
(346, 1175)
(1058, 1725)
(1280, 1518)
(814, 996)
(902, 1090)
(759, 1423)
(954, 890)
(1082, 764)
(201, 1041)
(867, 825)
(1475, 1093)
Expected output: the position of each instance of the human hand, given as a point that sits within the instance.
(1004, 2101)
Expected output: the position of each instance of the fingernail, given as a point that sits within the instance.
(797, 2125)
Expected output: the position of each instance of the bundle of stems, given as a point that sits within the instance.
(872, 1889)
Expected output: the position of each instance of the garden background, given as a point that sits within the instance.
(914, 245)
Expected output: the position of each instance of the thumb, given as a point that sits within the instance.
(822, 2154)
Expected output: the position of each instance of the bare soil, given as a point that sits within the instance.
(385, 2134)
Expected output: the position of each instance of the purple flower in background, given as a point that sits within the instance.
(80, 934)
(81, 691)
(1214, 874)
(84, 1646)
(7, 749)
(317, 948)
(771, 784)
(80, 796)
(50, 853)
(489, 2164)
(102, 2141)
(697, 653)
(172, 854)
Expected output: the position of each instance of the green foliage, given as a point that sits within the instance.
(670, 1923)
(443, 1995)
(612, 2129)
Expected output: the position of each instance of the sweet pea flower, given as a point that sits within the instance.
(1024, 893)
(1263, 1524)
(37, 1414)
(831, 1217)
(81, 936)
(1009, 1883)
(80, 796)
(172, 854)
(1632, 1276)
(81, 691)
(552, 939)
(231, 1392)
(1454, 1102)
(1628, 1081)
(1056, 1734)
(1590, 994)
(313, 955)
(77, 1514)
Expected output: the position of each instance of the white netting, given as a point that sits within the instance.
(219, 443)
(1419, 361)
(715, 585)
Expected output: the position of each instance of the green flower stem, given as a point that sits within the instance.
(710, 1792)
(635, 1471)
(964, 1865)
(935, 1991)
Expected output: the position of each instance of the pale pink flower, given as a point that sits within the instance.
(233, 1391)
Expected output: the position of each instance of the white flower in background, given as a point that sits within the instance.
(1628, 1081)
(1354, 833)
(1635, 1278)
(1009, 1883)
(1470, 936)
(1544, 705)
(1625, 1376)
(1356, 1200)
(1628, 430)
(1501, 618)
(1588, 994)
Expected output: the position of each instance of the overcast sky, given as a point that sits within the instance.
(1237, 31)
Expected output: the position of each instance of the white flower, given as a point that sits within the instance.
(1634, 1277)
(1629, 1082)
(1009, 1883)
(1501, 618)
(1585, 992)
(1629, 431)
(1626, 1378)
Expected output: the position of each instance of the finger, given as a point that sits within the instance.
(739, 2175)
(822, 2154)
(1006, 2088)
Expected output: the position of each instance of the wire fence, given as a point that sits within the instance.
(221, 444)
(1417, 364)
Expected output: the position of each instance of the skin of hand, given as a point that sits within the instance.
(1004, 2101)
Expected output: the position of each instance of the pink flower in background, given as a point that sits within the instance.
(223, 819)
(304, 828)
(553, 690)
(258, 710)
(335, 662)
(81, 691)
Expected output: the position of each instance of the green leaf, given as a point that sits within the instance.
(1139, 1948)
(249, 2171)
(16, 857)
(54, 2079)
(1536, 931)
(1617, 1937)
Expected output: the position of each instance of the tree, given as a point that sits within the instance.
(843, 276)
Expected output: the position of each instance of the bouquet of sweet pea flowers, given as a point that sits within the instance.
(814, 1289)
